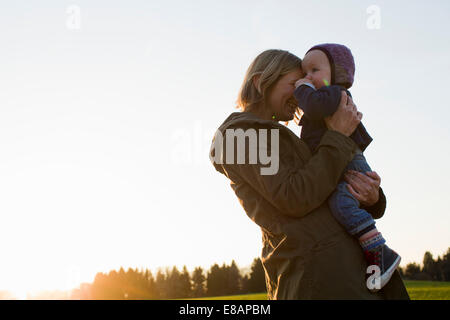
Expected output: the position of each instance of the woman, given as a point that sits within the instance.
(306, 254)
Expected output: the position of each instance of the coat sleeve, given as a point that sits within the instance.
(318, 104)
(377, 210)
(296, 191)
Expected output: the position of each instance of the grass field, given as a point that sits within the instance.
(428, 290)
(418, 290)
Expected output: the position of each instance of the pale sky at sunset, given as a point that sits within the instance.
(106, 122)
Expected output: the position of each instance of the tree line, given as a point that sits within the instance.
(173, 283)
(217, 281)
(430, 270)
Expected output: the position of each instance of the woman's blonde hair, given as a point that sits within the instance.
(269, 65)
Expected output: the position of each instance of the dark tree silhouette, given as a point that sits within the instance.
(161, 285)
(185, 284)
(214, 281)
(233, 279)
(256, 281)
(429, 266)
(198, 280)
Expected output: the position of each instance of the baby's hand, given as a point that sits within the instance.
(302, 81)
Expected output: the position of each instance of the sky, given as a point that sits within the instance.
(108, 108)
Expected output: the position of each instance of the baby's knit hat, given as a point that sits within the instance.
(341, 61)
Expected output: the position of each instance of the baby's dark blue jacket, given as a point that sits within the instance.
(321, 103)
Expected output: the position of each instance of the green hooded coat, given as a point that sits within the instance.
(306, 253)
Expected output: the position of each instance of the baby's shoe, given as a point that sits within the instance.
(387, 261)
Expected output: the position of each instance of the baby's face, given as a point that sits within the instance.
(316, 68)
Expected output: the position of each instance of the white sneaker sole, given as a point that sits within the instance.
(388, 274)
(384, 279)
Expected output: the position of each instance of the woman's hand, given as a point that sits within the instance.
(346, 118)
(364, 187)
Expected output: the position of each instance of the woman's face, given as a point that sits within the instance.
(281, 102)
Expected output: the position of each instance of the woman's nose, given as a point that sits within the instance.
(309, 76)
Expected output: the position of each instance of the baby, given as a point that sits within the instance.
(329, 70)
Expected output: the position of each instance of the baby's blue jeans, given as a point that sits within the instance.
(345, 208)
